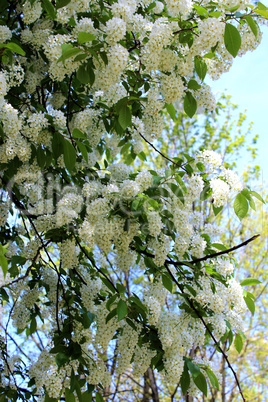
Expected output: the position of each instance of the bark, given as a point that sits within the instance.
(146, 388)
(153, 385)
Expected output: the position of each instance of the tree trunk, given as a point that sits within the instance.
(146, 388)
(153, 385)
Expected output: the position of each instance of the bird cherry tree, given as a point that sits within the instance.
(83, 86)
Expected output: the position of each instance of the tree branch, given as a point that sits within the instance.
(214, 255)
(94, 264)
(160, 153)
(209, 331)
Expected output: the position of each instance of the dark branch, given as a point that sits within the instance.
(210, 333)
(160, 153)
(93, 263)
(214, 255)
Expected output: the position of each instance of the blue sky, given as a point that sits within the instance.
(247, 83)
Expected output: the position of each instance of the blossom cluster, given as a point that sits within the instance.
(93, 253)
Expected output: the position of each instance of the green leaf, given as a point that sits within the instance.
(69, 155)
(2, 134)
(232, 39)
(69, 53)
(238, 343)
(219, 246)
(3, 260)
(185, 380)
(85, 73)
(189, 104)
(57, 144)
(181, 182)
(261, 6)
(111, 315)
(230, 338)
(215, 14)
(194, 369)
(62, 3)
(250, 304)
(246, 193)
(48, 7)
(193, 84)
(49, 399)
(138, 302)
(14, 48)
(61, 359)
(104, 57)
(201, 382)
(4, 264)
(78, 390)
(33, 326)
(88, 318)
(176, 190)
(252, 24)
(86, 396)
(200, 166)
(124, 117)
(191, 289)
(99, 397)
(240, 206)
(171, 110)
(200, 67)
(84, 37)
(201, 11)
(78, 134)
(110, 301)
(142, 156)
(82, 74)
(83, 149)
(167, 282)
(217, 210)
(121, 288)
(263, 13)
(41, 157)
(108, 284)
(121, 309)
(80, 57)
(249, 282)
(213, 379)
(256, 195)
(69, 396)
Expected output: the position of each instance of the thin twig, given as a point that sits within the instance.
(93, 263)
(174, 392)
(13, 340)
(80, 276)
(157, 150)
(20, 278)
(40, 339)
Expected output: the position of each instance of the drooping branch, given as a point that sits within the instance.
(214, 255)
(207, 257)
(209, 331)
